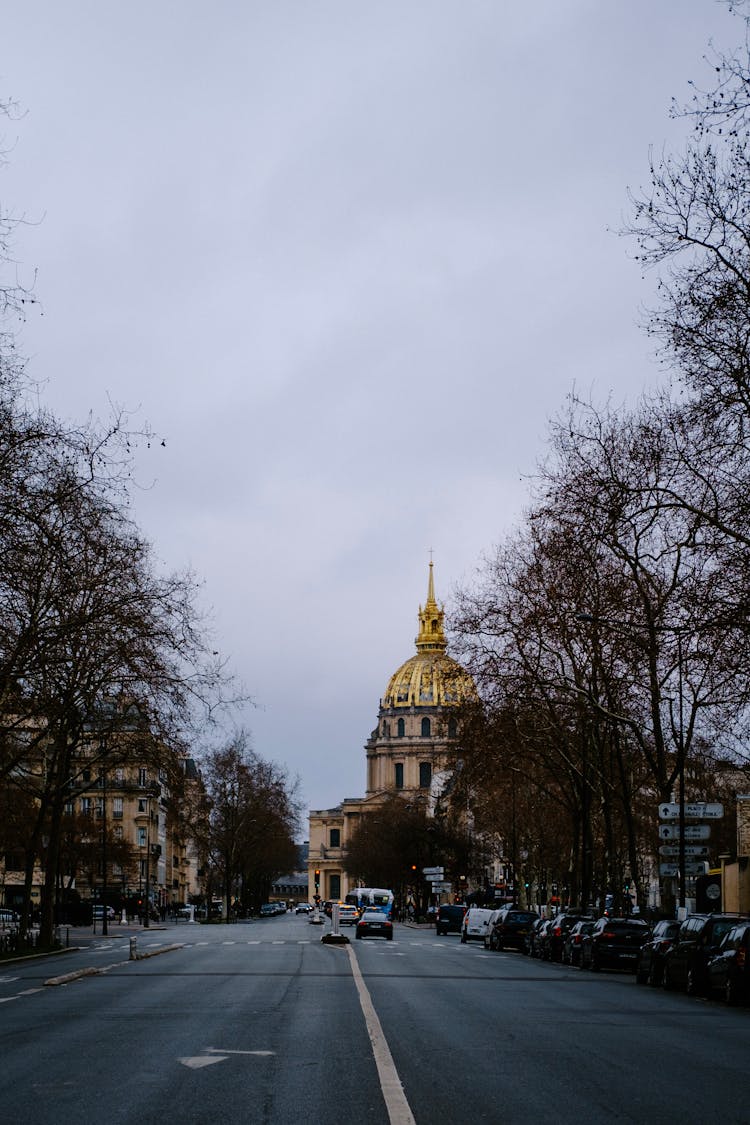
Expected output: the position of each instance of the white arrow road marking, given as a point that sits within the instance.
(198, 1061)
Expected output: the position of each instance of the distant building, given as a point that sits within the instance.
(407, 753)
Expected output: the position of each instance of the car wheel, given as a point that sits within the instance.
(732, 992)
(641, 977)
(463, 938)
(692, 987)
(487, 943)
(359, 936)
(655, 975)
(666, 980)
(389, 937)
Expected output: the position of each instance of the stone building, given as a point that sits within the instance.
(408, 752)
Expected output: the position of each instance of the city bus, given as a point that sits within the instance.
(371, 898)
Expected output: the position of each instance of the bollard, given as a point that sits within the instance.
(133, 949)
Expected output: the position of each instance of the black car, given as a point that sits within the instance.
(729, 969)
(614, 943)
(698, 939)
(449, 918)
(538, 938)
(650, 966)
(554, 938)
(510, 929)
(374, 923)
(572, 943)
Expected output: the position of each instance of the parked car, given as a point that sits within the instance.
(554, 937)
(268, 910)
(375, 923)
(572, 943)
(8, 917)
(650, 965)
(509, 928)
(348, 915)
(698, 939)
(449, 918)
(475, 923)
(98, 911)
(729, 969)
(542, 940)
(614, 943)
(535, 937)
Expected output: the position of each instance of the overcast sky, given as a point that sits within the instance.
(347, 258)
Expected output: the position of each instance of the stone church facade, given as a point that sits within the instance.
(407, 754)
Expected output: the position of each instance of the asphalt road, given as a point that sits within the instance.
(262, 1022)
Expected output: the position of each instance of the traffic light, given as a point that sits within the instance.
(317, 878)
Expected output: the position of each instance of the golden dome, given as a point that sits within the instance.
(431, 678)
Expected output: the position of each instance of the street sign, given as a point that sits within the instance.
(437, 871)
(673, 869)
(441, 888)
(692, 831)
(694, 810)
(696, 851)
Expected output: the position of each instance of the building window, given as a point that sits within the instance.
(400, 729)
(68, 808)
(141, 837)
(117, 808)
(452, 728)
(425, 775)
(335, 837)
(334, 886)
(141, 804)
(142, 776)
(85, 806)
(99, 808)
(399, 775)
(425, 728)
(119, 775)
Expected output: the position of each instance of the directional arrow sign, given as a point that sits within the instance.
(436, 871)
(694, 810)
(692, 831)
(441, 888)
(695, 850)
(674, 870)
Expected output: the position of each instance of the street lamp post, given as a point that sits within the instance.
(105, 928)
(676, 631)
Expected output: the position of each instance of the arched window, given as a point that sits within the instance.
(400, 729)
(425, 728)
(425, 775)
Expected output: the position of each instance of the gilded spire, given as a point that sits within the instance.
(431, 633)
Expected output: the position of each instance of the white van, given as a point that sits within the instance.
(476, 923)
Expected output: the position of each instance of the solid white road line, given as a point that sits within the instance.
(399, 1112)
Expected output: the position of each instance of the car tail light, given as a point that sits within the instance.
(557, 931)
(608, 935)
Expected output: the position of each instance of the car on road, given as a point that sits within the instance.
(475, 924)
(302, 908)
(375, 923)
(572, 944)
(698, 939)
(650, 965)
(554, 937)
(614, 943)
(449, 918)
(348, 915)
(98, 911)
(509, 929)
(269, 910)
(729, 969)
